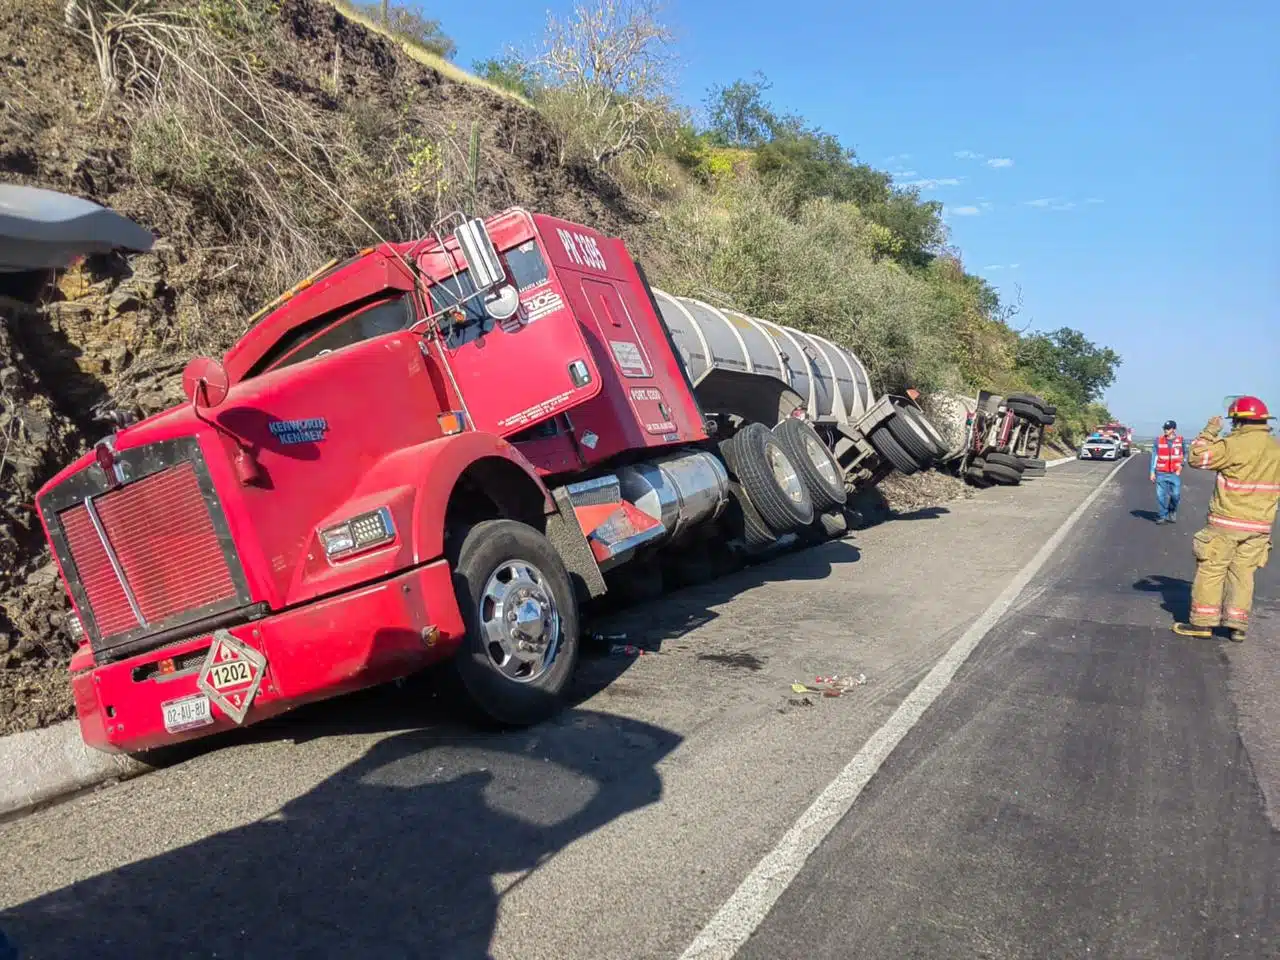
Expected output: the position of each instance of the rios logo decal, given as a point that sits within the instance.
(311, 430)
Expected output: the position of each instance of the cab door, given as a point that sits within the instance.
(519, 372)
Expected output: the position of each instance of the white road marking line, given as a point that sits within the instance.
(747, 908)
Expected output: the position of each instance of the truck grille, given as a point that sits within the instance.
(150, 555)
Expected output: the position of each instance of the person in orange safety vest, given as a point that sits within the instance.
(1236, 541)
(1167, 457)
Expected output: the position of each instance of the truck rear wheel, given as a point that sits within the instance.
(1006, 460)
(817, 466)
(769, 478)
(1028, 400)
(1001, 474)
(521, 614)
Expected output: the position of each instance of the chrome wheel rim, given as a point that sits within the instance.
(784, 473)
(519, 621)
(821, 460)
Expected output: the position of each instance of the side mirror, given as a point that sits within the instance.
(480, 255)
(205, 382)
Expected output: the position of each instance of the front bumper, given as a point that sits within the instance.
(333, 646)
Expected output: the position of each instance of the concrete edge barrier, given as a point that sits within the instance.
(37, 766)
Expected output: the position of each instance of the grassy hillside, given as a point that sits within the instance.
(259, 138)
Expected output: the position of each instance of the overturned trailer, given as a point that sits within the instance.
(992, 439)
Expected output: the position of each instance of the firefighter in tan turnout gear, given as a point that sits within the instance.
(1237, 539)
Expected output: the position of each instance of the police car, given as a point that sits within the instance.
(1098, 447)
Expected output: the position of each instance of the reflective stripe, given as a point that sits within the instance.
(1236, 614)
(1241, 486)
(1231, 523)
(1203, 608)
(1168, 454)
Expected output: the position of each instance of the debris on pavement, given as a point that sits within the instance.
(830, 687)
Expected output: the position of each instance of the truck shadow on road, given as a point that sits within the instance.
(678, 613)
(1175, 593)
(422, 702)
(408, 852)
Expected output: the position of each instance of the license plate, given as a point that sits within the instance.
(187, 713)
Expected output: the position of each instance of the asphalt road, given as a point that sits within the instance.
(1079, 789)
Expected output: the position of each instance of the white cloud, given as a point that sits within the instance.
(1014, 266)
(897, 158)
(964, 211)
(994, 266)
(934, 183)
(903, 174)
(998, 162)
(1095, 200)
(967, 155)
(1052, 203)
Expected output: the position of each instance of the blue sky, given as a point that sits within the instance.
(1120, 161)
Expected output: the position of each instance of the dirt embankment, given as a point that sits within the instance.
(113, 332)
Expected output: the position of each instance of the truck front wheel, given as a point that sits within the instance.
(521, 614)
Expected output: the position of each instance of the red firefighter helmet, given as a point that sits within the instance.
(1249, 408)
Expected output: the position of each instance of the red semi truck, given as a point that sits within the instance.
(439, 449)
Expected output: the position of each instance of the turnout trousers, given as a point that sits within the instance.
(1225, 563)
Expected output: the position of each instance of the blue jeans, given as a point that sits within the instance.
(1168, 493)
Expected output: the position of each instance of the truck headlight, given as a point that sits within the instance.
(359, 533)
(75, 628)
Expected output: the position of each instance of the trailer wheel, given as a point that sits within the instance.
(1027, 411)
(769, 479)
(521, 614)
(906, 428)
(1001, 474)
(1006, 460)
(1031, 463)
(889, 448)
(818, 469)
(1027, 399)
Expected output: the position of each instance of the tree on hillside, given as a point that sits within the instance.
(737, 115)
(509, 72)
(607, 78)
(410, 25)
(1068, 360)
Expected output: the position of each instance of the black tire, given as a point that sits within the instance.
(1001, 474)
(1029, 399)
(834, 524)
(1050, 409)
(819, 471)
(1006, 460)
(486, 550)
(914, 436)
(1026, 411)
(751, 455)
(934, 439)
(977, 479)
(892, 451)
(1049, 420)
(1032, 472)
(1030, 463)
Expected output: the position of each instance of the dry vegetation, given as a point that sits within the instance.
(259, 138)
